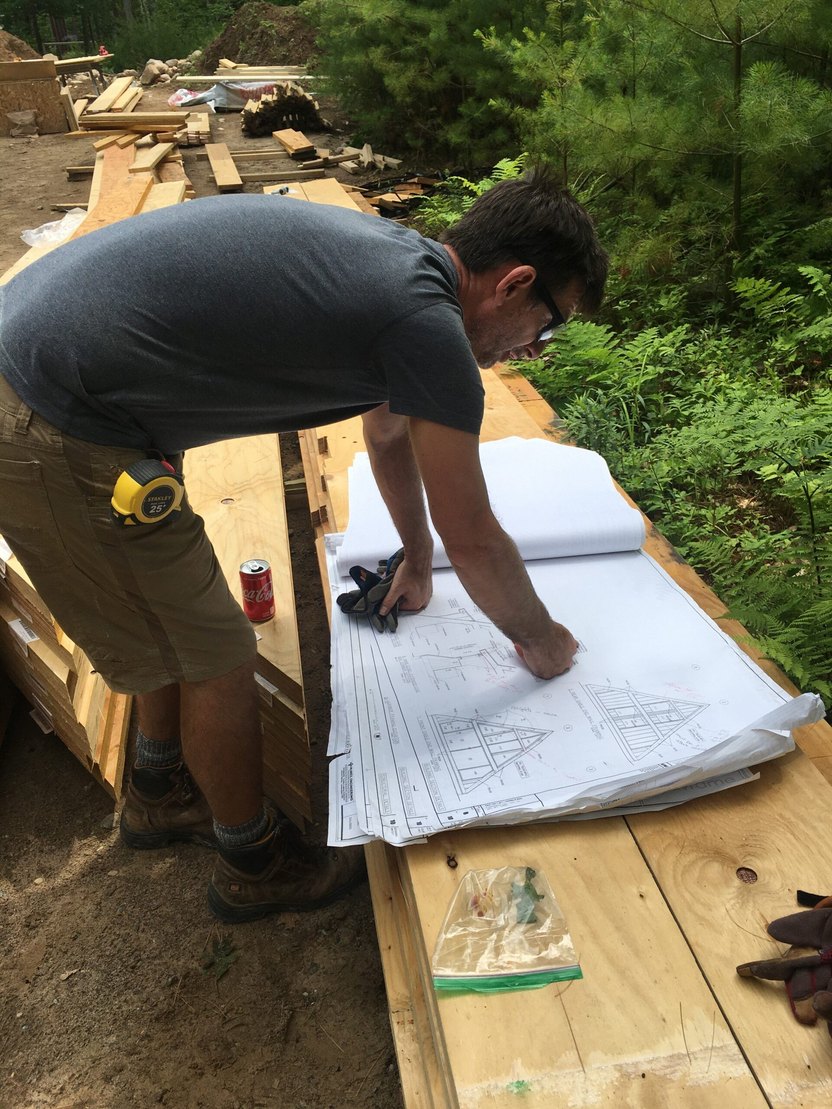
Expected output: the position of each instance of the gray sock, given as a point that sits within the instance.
(232, 836)
(157, 753)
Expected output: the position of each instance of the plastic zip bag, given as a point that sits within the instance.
(503, 931)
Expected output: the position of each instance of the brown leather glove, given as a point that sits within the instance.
(806, 968)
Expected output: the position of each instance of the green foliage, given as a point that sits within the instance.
(725, 438)
(414, 75)
(456, 194)
(168, 29)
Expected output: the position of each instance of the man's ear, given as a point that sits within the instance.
(516, 280)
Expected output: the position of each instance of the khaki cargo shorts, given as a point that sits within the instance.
(148, 604)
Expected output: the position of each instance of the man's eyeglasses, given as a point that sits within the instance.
(557, 321)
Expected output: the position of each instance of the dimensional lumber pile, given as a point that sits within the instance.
(57, 679)
(287, 106)
(32, 86)
(660, 907)
(114, 111)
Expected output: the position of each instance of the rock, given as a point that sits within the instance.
(153, 71)
(163, 78)
(23, 123)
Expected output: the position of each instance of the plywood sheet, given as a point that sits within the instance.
(238, 490)
(40, 96)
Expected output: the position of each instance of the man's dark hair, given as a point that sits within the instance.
(539, 223)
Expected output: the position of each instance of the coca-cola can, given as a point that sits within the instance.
(258, 591)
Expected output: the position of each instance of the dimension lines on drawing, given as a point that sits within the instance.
(641, 721)
(477, 749)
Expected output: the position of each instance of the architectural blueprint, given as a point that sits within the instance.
(441, 725)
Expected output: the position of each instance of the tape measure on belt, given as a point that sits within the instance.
(147, 492)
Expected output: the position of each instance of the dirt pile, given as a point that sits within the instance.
(263, 34)
(14, 49)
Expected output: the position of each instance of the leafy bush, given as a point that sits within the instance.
(170, 30)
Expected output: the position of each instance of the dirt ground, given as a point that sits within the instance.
(104, 999)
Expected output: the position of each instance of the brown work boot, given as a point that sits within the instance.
(281, 873)
(165, 806)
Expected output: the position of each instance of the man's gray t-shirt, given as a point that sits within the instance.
(235, 316)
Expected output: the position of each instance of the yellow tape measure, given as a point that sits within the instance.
(147, 492)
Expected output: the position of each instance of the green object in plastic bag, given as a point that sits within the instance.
(503, 931)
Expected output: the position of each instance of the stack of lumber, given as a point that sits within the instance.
(32, 86)
(114, 112)
(57, 678)
(228, 68)
(237, 72)
(684, 893)
(237, 488)
(287, 106)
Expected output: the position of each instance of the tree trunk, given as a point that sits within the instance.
(736, 218)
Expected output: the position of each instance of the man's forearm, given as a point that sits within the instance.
(398, 480)
(495, 577)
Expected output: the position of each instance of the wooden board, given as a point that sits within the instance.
(30, 70)
(324, 190)
(69, 109)
(149, 157)
(293, 142)
(222, 167)
(114, 90)
(284, 175)
(239, 494)
(163, 194)
(122, 193)
(133, 121)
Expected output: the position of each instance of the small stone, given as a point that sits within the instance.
(112, 874)
(68, 974)
(38, 881)
(109, 821)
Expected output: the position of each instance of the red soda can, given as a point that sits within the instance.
(258, 591)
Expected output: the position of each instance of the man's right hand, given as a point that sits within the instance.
(546, 658)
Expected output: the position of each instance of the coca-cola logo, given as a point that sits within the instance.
(257, 596)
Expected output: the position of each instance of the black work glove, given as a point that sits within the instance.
(372, 589)
(806, 969)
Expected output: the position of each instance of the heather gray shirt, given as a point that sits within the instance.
(233, 316)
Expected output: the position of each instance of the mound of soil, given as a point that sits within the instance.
(13, 49)
(264, 34)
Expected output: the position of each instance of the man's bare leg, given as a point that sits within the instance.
(222, 744)
(158, 713)
(217, 722)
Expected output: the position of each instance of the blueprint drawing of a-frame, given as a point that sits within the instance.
(476, 749)
(641, 721)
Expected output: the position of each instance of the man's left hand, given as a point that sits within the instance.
(411, 588)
